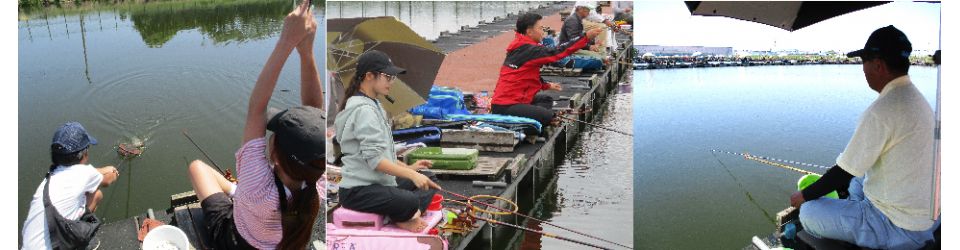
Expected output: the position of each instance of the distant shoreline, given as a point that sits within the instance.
(672, 62)
(26, 8)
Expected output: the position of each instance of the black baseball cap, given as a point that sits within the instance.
(377, 61)
(886, 42)
(300, 133)
(71, 137)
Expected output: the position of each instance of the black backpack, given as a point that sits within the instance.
(65, 233)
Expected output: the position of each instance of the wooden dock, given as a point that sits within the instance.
(184, 213)
(531, 170)
(533, 179)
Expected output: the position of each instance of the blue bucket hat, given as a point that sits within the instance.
(71, 138)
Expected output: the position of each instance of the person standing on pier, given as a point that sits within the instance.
(277, 199)
(520, 81)
(68, 195)
(887, 165)
(373, 180)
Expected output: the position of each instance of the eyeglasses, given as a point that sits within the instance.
(389, 76)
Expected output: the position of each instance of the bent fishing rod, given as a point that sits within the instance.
(203, 152)
(596, 126)
(549, 235)
(531, 218)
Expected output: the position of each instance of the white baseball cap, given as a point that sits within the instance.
(589, 4)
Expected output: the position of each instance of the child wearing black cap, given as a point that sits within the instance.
(370, 168)
(277, 200)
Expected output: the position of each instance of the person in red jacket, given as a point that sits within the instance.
(520, 79)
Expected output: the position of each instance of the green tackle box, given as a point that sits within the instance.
(446, 158)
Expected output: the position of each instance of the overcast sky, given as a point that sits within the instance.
(670, 23)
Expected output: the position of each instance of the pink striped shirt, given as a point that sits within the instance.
(256, 210)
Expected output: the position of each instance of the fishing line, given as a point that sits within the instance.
(774, 159)
(528, 217)
(109, 198)
(549, 235)
(464, 221)
(776, 162)
(126, 152)
(596, 126)
(745, 192)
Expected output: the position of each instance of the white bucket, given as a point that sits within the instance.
(166, 237)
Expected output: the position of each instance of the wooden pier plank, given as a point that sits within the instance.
(185, 222)
(204, 238)
(184, 198)
(119, 235)
(487, 141)
(489, 167)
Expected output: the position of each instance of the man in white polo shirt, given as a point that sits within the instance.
(887, 167)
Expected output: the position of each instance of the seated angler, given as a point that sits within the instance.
(520, 81)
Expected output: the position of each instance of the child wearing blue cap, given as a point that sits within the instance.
(69, 194)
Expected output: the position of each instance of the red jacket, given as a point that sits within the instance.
(520, 74)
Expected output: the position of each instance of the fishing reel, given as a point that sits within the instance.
(558, 119)
(229, 176)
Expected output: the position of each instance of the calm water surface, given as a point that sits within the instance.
(684, 198)
(593, 189)
(592, 192)
(144, 72)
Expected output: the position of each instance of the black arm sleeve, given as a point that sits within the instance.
(835, 179)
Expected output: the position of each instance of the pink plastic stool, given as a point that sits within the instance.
(346, 218)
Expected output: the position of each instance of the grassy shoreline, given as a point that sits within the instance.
(28, 9)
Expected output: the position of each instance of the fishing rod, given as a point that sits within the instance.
(203, 152)
(596, 126)
(108, 197)
(618, 29)
(773, 159)
(531, 218)
(127, 152)
(549, 235)
(771, 162)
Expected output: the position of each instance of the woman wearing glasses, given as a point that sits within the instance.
(370, 168)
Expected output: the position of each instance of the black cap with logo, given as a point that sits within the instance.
(300, 133)
(887, 42)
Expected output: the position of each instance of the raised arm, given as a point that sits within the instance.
(545, 55)
(311, 92)
(294, 30)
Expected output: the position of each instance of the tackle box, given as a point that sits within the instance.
(446, 158)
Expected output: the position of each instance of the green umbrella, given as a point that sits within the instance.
(347, 38)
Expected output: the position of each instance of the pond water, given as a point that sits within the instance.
(684, 197)
(145, 72)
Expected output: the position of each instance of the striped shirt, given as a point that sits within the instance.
(256, 210)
